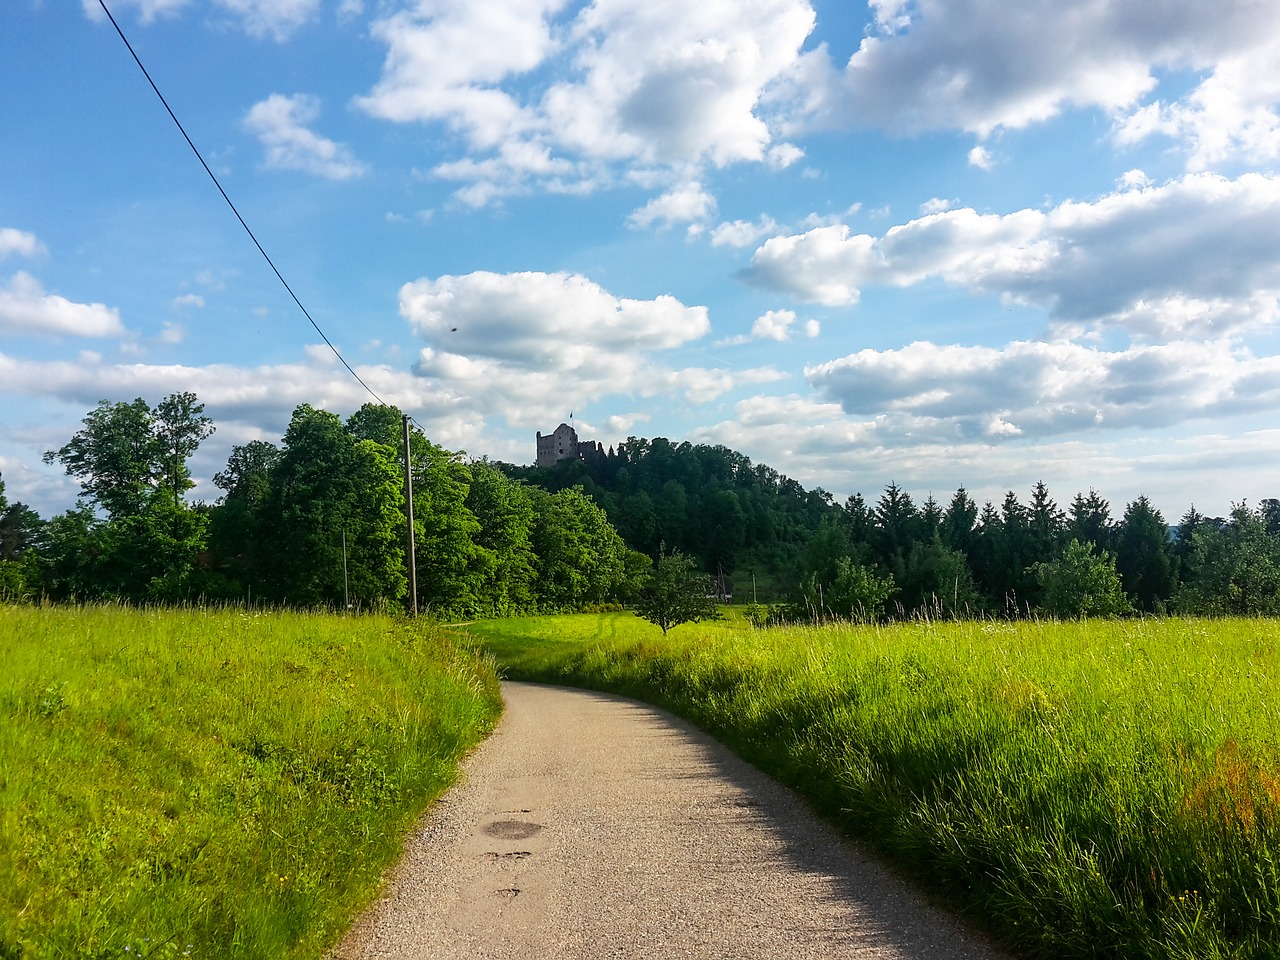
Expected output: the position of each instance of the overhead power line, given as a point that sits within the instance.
(214, 178)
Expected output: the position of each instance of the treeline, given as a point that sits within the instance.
(708, 502)
(895, 557)
(317, 519)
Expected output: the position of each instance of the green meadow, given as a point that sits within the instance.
(1083, 789)
(215, 783)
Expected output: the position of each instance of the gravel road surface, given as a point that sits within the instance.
(592, 826)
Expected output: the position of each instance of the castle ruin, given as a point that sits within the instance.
(563, 444)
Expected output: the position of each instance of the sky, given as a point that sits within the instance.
(936, 243)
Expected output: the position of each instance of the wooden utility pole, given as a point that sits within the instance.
(408, 509)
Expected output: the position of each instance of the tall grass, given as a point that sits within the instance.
(215, 783)
(1097, 789)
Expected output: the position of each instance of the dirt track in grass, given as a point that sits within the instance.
(592, 826)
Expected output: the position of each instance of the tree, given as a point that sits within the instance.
(178, 427)
(897, 525)
(1090, 520)
(1046, 521)
(1145, 555)
(959, 521)
(113, 456)
(503, 508)
(21, 529)
(581, 558)
(1232, 571)
(126, 452)
(676, 594)
(937, 580)
(854, 592)
(1081, 584)
(325, 484)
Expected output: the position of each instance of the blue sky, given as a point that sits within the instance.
(936, 243)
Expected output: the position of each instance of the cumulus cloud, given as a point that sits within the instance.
(686, 203)
(281, 124)
(26, 308)
(1035, 390)
(742, 233)
(980, 65)
(633, 85)
(14, 241)
(538, 341)
(981, 158)
(773, 325)
(1192, 257)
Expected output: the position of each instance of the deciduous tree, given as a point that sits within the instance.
(676, 593)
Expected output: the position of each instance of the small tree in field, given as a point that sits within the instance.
(1082, 584)
(676, 594)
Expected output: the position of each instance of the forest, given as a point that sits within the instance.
(318, 520)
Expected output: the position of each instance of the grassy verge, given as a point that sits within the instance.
(215, 783)
(1100, 789)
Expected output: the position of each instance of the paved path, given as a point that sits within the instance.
(591, 826)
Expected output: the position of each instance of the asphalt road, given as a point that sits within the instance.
(592, 826)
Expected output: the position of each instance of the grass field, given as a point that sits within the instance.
(1097, 789)
(215, 783)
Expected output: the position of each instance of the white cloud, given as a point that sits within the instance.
(633, 85)
(1030, 389)
(277, 19)
(188, 300)
(13, 241)
(742, 233)
(171, 333)
(148, 10)
(531, 342)
(1195, 257)
(845, 456)
(981, 158)
(982, 66)
(280, 123)
(681, 205)
(1134, 180)
(26, 308)
(936, 205)
(773, 325)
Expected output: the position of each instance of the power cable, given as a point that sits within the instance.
(212, 177)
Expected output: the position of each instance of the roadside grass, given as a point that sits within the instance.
(1085, 789)
(215, 783)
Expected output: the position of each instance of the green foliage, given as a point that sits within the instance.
(1232, 570)
(709, 502)
(325, 484)
(1083, 789)
(855, 592)
(504, 512)
(676, 593)
(126, 452)
(237, 783)
(581, 558)
(1145, 556)
(1081, 584)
